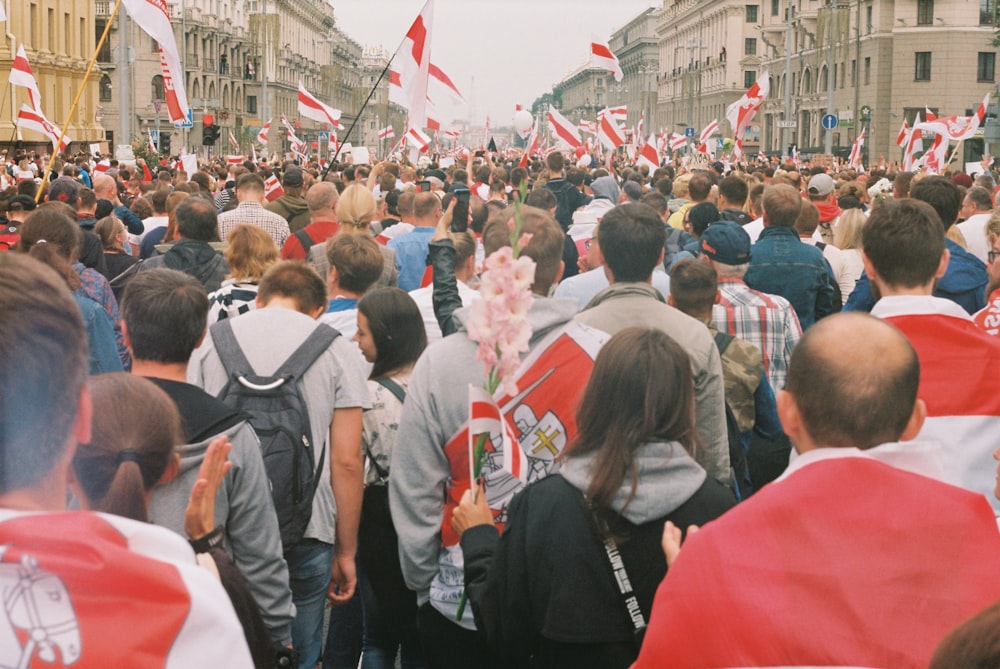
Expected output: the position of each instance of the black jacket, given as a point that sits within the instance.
(545, 589)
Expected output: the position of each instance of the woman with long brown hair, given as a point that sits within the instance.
(113, 238)
(547, 589)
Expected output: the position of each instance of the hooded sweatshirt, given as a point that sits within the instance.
(195, 258)
(293, 209)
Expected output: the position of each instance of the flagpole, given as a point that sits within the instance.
(76, 100)
(357, 117)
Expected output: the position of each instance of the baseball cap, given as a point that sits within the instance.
(822, 184)
(65, 190)
(726, 242)
(293, 177)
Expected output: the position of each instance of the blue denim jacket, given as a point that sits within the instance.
(781, 264)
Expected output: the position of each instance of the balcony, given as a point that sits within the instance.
(102, 9)
(208, 65)
(191, 60)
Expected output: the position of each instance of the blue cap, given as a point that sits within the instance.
(726, 242)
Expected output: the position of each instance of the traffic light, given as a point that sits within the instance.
(209, 135)
(165, 143)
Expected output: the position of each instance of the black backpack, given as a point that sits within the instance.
(737, 456)
(280, 416)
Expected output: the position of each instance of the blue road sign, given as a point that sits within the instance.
(324, 136)
(689, 132)
(829, 121)
(155, 136)
(189, 123)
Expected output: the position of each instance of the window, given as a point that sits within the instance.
(752, 13)
(154, 46)
(854, 73)
(868, 70)
(251, 104)
(987, 10)
(868, 14)
(599, 82)
(774, 7)
(986, 66)
(922, 66)
(158, 88)
(749, 77)
(925, 12)
(105, 94)
(750, 46)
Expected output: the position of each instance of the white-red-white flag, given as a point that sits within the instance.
(440, 85)
(855, 159)
(233, 142)
(234, 160)
(562, 128)
(420, 139)
(708, 131)
(485, 417)
(387, 132)
(311, 107)
(741, 113)
(602, 56)
(287, 124)
(273, 189)
(648, 155)
(531, 147)
(154, 19)
(609, 134)
(619, 114)
(904, 135)
(677, 142)
(957, 128)
(34, 119)
(914, 145)
(262, 134)
(933, 159)
(21, 75)
(409, 75)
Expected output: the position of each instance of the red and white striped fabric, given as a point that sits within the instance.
(602, 56)
(648, 155)
(21, 75)
(562, 128)
(588, 126)
(619, 114)
(608, 133)
(957, 128)
(272, 188)
(854, 161)
(440, 85)
(311, 107)
(34, 119)
(233, 142)
(102, 166)
(708, 131)
(387, 132)
(420, 139)
(933, 159)
(409, 77)
(531, 147)
(154, 19)
(856, 584)
(234, 160)
(677, 142)
(485, 418)
(741, 113)
(73, 581)
(287, 124)
(262, 134)
(914, 145)
(904, 135)
(957, 383)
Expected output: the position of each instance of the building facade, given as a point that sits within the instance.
(379, 113)
(58, 39)
(638, 53)
(585, 91)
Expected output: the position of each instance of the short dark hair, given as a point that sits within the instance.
(165, 312)
(975, 644)
(197, 219)
(904, 240)
(700, 185)
(842, 403)
(657, 201)
(901, 184)
(782, 205)
(357, 260)
(555, 161)
(808, 219)
(542, 198)
(693, 286)
(42, 370)
(734, 189)
(158, 198)
(940, 193)
(295, 280)
(250, 182)
(397, 329)
(631, 237)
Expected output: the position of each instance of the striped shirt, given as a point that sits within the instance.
(254, 214)
(767, 321)
(231, 300)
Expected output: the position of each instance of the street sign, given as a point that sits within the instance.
(719, 143)
(829, 122)
(189, 123)
(156, 105)
(788, 124)
(866, 113)
(154, 135)
(324, 136)
(689, 132)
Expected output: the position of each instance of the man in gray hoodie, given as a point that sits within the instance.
(164, 313)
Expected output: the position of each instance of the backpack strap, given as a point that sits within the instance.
(393, 387)
(234, 361)
(304, 239)
(722, 341)
(307, 352)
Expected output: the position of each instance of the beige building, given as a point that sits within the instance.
(637, 48)
(379, 112)
(58, 38)
(585, 91)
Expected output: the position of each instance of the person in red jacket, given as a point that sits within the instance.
(322, 200)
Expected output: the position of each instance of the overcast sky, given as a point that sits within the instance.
(498, 52)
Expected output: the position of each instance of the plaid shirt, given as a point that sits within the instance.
(254, 214)
(767, 321)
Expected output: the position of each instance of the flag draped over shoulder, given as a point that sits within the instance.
(154, 19)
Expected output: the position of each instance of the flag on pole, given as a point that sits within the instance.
(34, 119)
(234, 160)
(233, 142)
(485, 418)
(914, 145)
(933, 159)
(21, 75)
(561, 127)
(855, 159)
(440, 85)
(602, 56)
(311, 107)
(957, 128)
(410, 73)
(608, 132)
(648, 155)
(588, 126)
(419, 138)
(262, 135)
(387, 132)
(741, 113)
(708, 131)
(904, 135)
(273, 189)
(677, 142)
(288, 126)
(152, 17)
(619, 114)
(531, 147)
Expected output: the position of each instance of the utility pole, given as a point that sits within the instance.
(124, 87)
(785, 143)
(265, 113)
(832, 8)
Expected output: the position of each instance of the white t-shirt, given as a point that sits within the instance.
(424, 297)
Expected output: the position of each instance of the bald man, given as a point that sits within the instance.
(105, 188)
(323, 224)
(411, 248)
(855, 556)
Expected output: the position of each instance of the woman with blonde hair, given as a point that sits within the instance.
(356, 210)
(847, 238)
(249, 253)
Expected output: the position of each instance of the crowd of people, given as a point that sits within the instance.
(756, 410)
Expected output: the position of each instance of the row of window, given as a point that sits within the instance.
(985, 66)
(925, 12)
